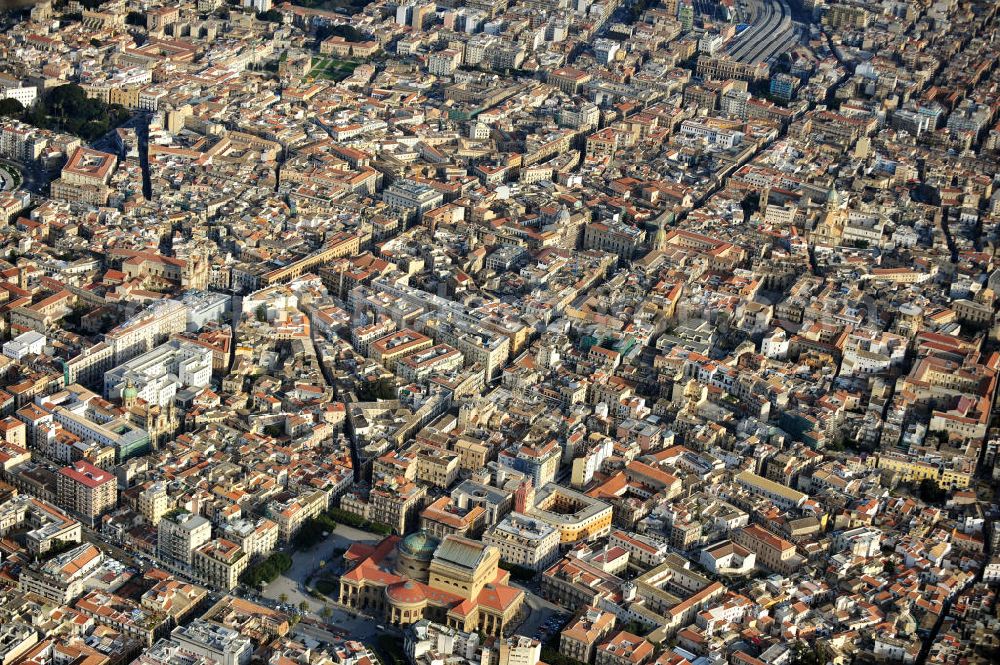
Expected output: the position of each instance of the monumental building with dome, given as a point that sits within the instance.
(454, 581)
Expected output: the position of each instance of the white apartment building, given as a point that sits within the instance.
(409, 194)
(525, 541)
(147, 329)
(25, 344)
(179, 535)
(218, 643)
(157, 375)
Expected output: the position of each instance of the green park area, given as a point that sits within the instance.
(331, 68)
(67, 108)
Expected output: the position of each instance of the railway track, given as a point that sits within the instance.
(774, 33)
(773, 40)
(763, 18)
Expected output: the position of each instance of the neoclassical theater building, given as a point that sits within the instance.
(454, 581)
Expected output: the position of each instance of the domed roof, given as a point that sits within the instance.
(130, 391)
(406, 593)
(420, 545)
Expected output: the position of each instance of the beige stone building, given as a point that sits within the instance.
(580, 638)
(219, 563)
(154, 502)
(84, 178)
(395, 502)
(456, 582)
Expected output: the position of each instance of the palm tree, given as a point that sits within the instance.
(304, 606)
(283, 597)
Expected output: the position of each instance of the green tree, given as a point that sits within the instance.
(304, 606)
(930, 492)
(270, 16)
(11, 108)
(283, 597)
(348, 32)
(67, 108)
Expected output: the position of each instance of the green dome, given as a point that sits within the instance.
(420, 545)
(130, 392)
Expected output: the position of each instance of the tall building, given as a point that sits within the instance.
(60, 579)
(179, 534)
(539, 462)
(212, 642)
(580, 638)
(154, 502)
(219, 563)
(410, 195)
(396, 502)
(86, 490)
(519, 650)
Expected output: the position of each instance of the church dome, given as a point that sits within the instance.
(420, 545)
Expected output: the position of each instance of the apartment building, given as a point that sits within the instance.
(439, 358)
(291, 513)
(219, 563)
(61, 578)
(782, 495)
(413, 196)
(257, 537)
(619, 239)
(144, 331)
(525, 541)
(86, 490)
(85, 177)
(395, 502)
(154, 502)
(624, 648)
(390, 349)
(576, 516)
(580, 638)
(771, 551)
(179, 534)
(214, 642)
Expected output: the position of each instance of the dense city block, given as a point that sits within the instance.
(499, 332)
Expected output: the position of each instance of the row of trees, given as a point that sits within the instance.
(551, 655)
(350, 519)
(314, 529)
(267, 570)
